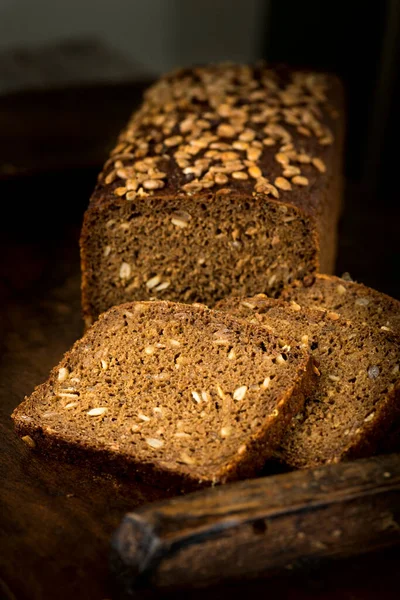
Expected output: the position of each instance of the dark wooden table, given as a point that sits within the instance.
(56, 520)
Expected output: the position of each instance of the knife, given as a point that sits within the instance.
(259, 527)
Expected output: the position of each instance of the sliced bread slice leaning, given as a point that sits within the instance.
(180, 395)
(357, 396)
(352, 300)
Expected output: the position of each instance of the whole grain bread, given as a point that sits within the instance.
(179, 395)
(226, 180)
(357, 394)
(352, 300)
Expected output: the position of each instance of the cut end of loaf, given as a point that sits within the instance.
(197, 249)
(170, 391)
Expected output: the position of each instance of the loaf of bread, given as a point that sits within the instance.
(357, 394)
(181, 395)
(226, 180)
(352, 300)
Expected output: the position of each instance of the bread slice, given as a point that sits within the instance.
(354, 301)
(181, 395)
(357, 395)
(226, 180)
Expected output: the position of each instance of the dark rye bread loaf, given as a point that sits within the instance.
(352, 300)
(180, 395)
(357, 394)
(226, 180)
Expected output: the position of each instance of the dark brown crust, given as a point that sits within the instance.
(319, 202)
(248, 463)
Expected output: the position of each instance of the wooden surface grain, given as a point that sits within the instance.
(56, 520)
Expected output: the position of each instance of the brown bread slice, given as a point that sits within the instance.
(352, 300)
(357, 395)
(226, 180)
(181, 395)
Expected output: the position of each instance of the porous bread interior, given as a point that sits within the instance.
(359, 368)
(182, 387)
(352, 300)
(197, 249)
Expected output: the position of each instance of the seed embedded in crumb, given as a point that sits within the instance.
(384, 328)
(196, 397)
(334, 377)
(163, 286)
(282, 183)
(67, 395)
(369, 418)
(153, 281)
(97, 412)
(220, 392)
(120, 191)
(205, 396)
(125, 270)
(225, 431)
(316, 371)
(174, 343)
(182, 434)
(240, 392)
(341, 289)
(242, 449)
(333, 316)
(143, 417)
(185, 458)
(362, 302)
(250, 305)
(279, 359)
(104, 364)
(266, 382)
(295, 306)
(231, 354)
(154, 442)
(149, 350)
(70, 405)
(373, 372)
(106, 251)
(299, 180)
(63, 374)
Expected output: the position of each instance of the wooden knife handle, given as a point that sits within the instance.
(259, 527)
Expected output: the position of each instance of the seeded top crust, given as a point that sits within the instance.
(171, 390)
(257, 130)
(350, 299)
(357, 394)
(226, 180)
